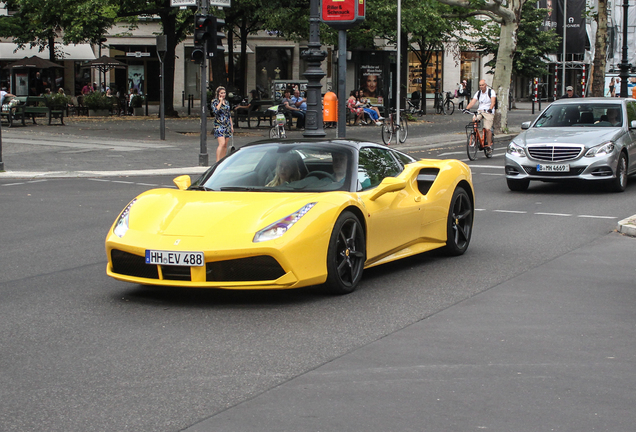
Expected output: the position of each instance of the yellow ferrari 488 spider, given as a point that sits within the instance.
(289, 214)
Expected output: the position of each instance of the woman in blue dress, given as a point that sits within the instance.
(223, 127)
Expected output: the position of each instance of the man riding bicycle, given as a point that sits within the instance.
(486, 110)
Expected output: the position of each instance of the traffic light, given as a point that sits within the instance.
(204, 29)
(217, 40)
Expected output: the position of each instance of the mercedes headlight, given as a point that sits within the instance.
(281, 226)
(601, 150)
(121, 226)
(515, 149)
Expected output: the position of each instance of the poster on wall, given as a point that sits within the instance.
(371, 82)
(136, 78)
(21, 84)
(613, 85)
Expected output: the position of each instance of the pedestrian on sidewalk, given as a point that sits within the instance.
(223, 126)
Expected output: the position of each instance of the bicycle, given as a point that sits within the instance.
(447, 106)
(389, 127)
(278, 130)
(476, 138)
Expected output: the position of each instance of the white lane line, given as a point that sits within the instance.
(13, 184)
(510, 211)
(492, 174)
(122, 182)
(487, 166)
(597, 217)
(554, 214)
(148, 184)
(99, 180)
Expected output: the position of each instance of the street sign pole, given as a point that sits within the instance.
(203, 155)
(161, 53)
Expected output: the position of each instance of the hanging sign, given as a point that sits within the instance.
(342, 14)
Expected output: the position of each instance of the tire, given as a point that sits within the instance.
(346, 255)
(619, 183)
(518, 185)
(459, 228)
(283, 133)
(273, 132)
(403, 131)
(387, 133)
(472, 146)
(450, 108)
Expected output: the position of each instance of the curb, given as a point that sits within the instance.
(628, 226)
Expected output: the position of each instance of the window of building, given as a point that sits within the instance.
(273, 63)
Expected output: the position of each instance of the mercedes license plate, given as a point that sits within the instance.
(189, 259)
(553, 168)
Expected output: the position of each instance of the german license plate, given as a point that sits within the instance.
(175, 258)
(553, 168)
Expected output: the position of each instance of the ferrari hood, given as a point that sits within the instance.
(199, 213)
(586, 136)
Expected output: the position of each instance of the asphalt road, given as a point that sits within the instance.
(83, 352)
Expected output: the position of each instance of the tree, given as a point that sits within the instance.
(533, 46)
(39, 25)
(600, 51)
(508, 15)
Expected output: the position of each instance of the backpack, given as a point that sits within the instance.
(496, 98)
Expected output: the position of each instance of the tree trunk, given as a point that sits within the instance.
(600, 52)
(503, 66)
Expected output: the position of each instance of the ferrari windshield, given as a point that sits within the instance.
(281, 168)
(581, 115)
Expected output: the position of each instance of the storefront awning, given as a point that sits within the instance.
(68, 52)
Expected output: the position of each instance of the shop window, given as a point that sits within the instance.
(428, 77)
(272, 63)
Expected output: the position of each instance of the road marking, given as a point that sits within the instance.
(597, 217)
(510, 211)
(554, 214)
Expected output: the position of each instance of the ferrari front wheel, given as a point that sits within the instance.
(346, 255)
(459, 228)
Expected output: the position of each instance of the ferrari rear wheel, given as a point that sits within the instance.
(346, 255)
(459, 228)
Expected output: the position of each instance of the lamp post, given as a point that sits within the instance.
(314, 73)
(624, 66)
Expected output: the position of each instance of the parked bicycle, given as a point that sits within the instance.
(278, 130)
(445, 105)
(476, 138)
(390, 127)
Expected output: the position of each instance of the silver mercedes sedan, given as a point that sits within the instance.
(579, 138)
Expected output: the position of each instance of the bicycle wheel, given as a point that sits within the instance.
(403, 131)
(472, 146)
(273, 132)
(387, 132)
(450, 107)
(283, 132)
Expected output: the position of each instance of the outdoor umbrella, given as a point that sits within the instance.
(33, 62)
(105, 63)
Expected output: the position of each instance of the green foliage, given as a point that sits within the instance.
(533, 45)
(57, 100)
(98, 101)
(137, 101)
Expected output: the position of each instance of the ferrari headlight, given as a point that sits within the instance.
(281, 226)
(601, 150)
(515, 149)
(121, 226)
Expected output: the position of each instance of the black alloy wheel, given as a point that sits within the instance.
(460, 223)
(346, 255)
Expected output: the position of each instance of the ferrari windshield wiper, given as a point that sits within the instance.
(201, 187)
(244, 188)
